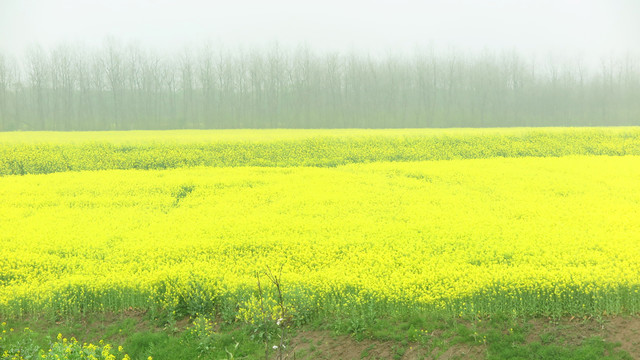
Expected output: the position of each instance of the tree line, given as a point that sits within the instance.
(122, 87)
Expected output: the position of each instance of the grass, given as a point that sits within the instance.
(489, 338)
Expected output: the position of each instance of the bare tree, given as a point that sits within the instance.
(129, 87)
(37, 64)
(5, 79)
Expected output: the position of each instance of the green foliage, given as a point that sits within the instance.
(17, 345)
(202, 334)
(24, 346)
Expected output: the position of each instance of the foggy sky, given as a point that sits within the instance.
(589, 29)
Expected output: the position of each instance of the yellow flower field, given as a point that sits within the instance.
(50, 152)
(526, 235)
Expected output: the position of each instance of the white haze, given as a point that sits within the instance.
(590, 30)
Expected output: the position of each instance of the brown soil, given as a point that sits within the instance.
(624, 330)
(569, 331)
(324, 345)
